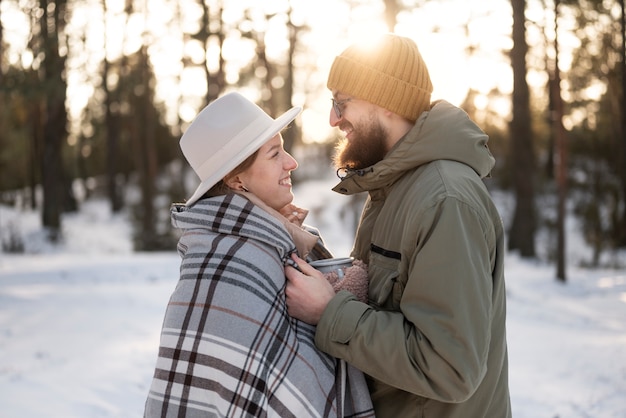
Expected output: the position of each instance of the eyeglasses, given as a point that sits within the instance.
(338, 106)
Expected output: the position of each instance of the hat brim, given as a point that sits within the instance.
(247, 150)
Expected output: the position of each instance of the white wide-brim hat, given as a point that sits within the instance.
(224, 134)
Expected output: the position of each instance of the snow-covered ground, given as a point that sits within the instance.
(79, 323)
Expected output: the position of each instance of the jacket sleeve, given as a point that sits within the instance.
(436, 344)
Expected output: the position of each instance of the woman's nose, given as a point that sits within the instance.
(291, 164)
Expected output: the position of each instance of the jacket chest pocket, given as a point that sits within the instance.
(386, 286)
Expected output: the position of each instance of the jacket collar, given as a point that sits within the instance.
(445, 132)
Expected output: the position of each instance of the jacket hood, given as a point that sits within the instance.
(445, 132)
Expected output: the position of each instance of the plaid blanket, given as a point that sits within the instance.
(228, 347)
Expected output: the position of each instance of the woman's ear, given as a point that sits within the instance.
(235, 183)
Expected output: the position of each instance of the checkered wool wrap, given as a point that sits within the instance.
(228, 347)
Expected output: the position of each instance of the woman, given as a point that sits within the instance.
(228, 346)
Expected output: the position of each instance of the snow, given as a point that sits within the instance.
(80, 321)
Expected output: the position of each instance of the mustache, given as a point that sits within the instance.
(345, 126)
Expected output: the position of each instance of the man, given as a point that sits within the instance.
(432, 340)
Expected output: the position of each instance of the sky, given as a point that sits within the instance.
(80, 322)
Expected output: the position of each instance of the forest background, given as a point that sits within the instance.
(95, 94)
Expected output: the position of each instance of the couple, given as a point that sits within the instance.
(428, 339)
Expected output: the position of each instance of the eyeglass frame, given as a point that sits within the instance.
(337, 104)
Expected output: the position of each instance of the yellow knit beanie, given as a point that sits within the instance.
(389, 73)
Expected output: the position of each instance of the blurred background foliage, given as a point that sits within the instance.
(95, 94)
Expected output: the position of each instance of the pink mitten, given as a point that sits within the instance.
(355, 280)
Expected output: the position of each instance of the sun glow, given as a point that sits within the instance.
(462, 43)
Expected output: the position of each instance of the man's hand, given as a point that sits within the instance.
(308, 292)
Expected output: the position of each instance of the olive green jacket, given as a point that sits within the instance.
(432, 339)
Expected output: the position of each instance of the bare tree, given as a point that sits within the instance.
(52, 25)
(112, 126)
(291, 136)
(522, 231)
(622, 235)
(143, 136)
(392, 8)
(561, 149)
(215, 83)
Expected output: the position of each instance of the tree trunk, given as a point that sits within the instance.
(113, 133)
(215, 82)
(522, 232)
(291, 136)
(391, 14)
(56, 116)
(623, 124)
(36, 136)
(561, 149)
(146, 158)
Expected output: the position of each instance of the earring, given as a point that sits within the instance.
(243, 188)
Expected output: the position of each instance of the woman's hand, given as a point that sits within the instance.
(294, 214)
(354, 280)
(308, 292)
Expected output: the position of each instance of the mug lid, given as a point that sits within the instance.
(331, 261)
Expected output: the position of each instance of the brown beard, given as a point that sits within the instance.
(367, 147)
